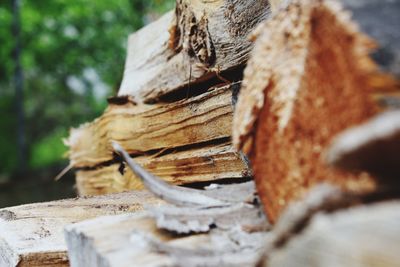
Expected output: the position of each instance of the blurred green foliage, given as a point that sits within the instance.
(73, 54)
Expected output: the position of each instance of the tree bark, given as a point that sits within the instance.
(189, 45)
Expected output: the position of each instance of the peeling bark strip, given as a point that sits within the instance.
(172, 194)
(187, 45)
(32, 235)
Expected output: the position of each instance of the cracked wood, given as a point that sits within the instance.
(143, 128)
(212, 162)
(183, 142)
(187, 45)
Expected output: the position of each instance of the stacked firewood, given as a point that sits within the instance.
(300, 95)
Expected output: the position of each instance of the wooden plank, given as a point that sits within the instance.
(212, 162)
(328, 227)
(32, 235)
(189, 44)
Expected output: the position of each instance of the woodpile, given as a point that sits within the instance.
(174, 109)
(316, 123)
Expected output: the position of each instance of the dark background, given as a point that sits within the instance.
(59, 61)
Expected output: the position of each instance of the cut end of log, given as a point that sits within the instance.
(269, 67)
(307, 80)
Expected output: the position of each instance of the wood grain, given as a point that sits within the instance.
(169, 53)
(139, 129)
(32, 235)
(209, 163)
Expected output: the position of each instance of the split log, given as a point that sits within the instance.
(229, 216)
(149, 129)
(32, 235)
(186, 46)
(184, 142)
(299, 91)
(208, 163)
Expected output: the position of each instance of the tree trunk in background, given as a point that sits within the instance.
(19, 85)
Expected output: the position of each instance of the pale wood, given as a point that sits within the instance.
(105, 241)
(134, 240)
(155, 66)
(311, 233)
(137, 240)
(32, 235)
(212, 162)
(361, 236)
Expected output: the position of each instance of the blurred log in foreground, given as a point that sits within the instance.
(310, 76)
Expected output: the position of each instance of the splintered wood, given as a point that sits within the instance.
(144, 129)
(32, 235)
(199, 38)
(212, 162)
(174, 108)
(184, 142)
(310, 77)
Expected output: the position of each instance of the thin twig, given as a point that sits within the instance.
(63, 172)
